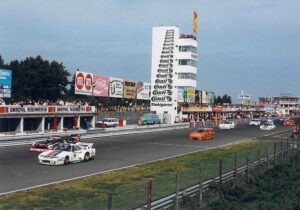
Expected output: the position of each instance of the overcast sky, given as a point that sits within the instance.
(252, 45)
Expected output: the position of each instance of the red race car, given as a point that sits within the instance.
(53, 141)
(289, 122)
(202, 134)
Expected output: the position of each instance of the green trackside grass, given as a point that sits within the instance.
(128, 186)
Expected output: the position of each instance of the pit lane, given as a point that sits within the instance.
(19, 169)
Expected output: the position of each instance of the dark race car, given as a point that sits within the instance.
(54, 141)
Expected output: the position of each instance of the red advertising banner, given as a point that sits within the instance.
(51, 109)
(3, 109)
(83, 83)
(101, 85)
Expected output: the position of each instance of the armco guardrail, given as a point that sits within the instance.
(136, 129)
(168, 201)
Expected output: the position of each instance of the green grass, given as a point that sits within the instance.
(128, 186)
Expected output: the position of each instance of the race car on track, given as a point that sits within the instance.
(267, 126)
(289, 122)
(54, 141)
(203, 134)
(68, 153)
(227, 125)
(254, 122)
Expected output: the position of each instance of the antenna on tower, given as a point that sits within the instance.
(244, 96)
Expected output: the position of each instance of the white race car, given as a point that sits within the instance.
(254, 122)
(69, 153)
(227, 125)
(267, 126)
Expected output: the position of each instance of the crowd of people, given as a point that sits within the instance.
(59, 102)
(100, 106)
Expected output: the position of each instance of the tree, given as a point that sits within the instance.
(1, 62)
(38, 79)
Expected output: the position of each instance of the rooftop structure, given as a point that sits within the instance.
(285, 105)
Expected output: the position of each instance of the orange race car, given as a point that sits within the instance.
(203, 134)
(289, 123)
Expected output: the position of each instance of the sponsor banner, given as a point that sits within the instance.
(45, 109)
(115, 87)
(190, 95)
(143, 90)
(37, 109)
(194, 109)
(5, 82)
(3, 110)
(164, 91)
(83, 83)
(101, 85)
(129, 89)
(180, 97)
(204, 97)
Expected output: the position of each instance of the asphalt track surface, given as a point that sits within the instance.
(19, 168)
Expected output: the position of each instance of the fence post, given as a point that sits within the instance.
(109, 202)
(287, 147)
(274, 154)
(235, 169)
(281, 148)
(258, 162)
(149, 194)
(247, 162)
(220, 181)
(177, 191)
(268, 154)
(200, 186)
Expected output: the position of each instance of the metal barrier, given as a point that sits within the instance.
(168, 201)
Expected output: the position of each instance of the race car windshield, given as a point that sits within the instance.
(66, 148)
(201, 131)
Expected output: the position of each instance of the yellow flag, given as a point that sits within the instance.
(195, 25)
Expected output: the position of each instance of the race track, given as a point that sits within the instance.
(19, 168)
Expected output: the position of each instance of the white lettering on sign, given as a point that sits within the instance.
(79, 81)
(164, 83)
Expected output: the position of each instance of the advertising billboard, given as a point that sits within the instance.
(83, 83)
(164, 90)
(5, 82)
(204, 97)
(115, 87)
(143, 90)
(129, 89)
(101, 85)
(190, 95)
(180, 97)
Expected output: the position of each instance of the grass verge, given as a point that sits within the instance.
(128, 186)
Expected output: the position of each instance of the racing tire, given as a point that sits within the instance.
(66, 161)
(86, 156)
(115, 125)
